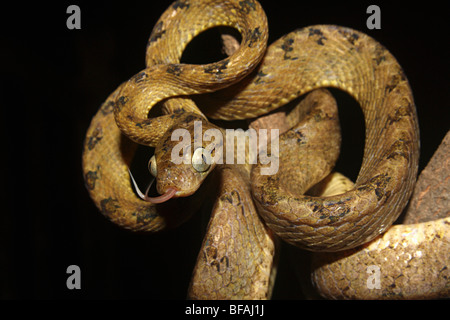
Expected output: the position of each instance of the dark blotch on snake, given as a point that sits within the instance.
(247, 6)
(180, 4)
(157, 33)
(109, 206)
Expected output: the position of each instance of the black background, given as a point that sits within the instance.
(53, 81)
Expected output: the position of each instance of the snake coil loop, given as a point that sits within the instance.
(251, 210)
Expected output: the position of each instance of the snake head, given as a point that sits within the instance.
(184, 158)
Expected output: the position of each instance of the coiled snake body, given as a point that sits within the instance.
(236, 258)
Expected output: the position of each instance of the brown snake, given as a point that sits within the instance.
(236, 259)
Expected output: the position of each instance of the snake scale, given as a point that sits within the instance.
(252, 210)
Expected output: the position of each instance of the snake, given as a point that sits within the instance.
(252, 211)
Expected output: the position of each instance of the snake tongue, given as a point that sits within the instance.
(164, 197)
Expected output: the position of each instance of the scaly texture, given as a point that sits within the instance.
(107, 153)
(236, 257)
(343, 58)
(106, 158)
(306, 59)
(409, 261)
(166, 78)
(431, 198)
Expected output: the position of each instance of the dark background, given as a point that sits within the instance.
(52, 82)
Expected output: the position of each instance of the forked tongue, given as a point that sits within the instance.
(160, 199)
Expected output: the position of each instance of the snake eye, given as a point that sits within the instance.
(152, 166)
(201, 160)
